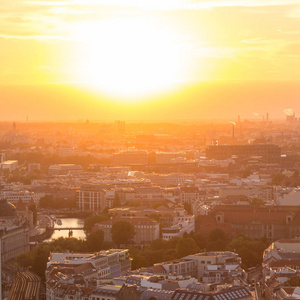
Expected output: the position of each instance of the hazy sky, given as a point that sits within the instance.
(132, 50)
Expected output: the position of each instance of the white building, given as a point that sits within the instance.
(90, 198)
(65, 169)
(13, 196)
(109, 263)
(292, 198)
(9, 165)
(224, 261)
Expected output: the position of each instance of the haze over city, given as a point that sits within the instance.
(150, 150)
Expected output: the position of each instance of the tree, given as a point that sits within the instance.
(40, 259)
(89, 222)
(95, 240)
(46, 201)
(250, 251)
(122, 232)
(216, 240)
(186, 247)
(216, 234)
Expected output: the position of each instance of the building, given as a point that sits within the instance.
(266, 193)
(171, 179)
(14, 232)
(225, 294)
(281, 250)
(13, 196)
(292, 198)
(130, 157)
(146, 229)
(288, 293)
(270, 153)
(177, 230)
(170, 157)
(252, 221)
(222, 261)
(9, 165)
(108, 263)
(166, 216)
(166, 283)
(105, 292)
(90, 198)
(2, 157)
(65, 169)
(33, 167)
(179, 267)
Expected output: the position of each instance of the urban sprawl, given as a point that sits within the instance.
(170, 211)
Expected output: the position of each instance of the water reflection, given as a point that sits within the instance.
(69, 223)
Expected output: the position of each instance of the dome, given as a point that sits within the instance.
(7, 209)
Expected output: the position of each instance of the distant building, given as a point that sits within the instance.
(292, 198)
(171, 179)
(166, 216)
(182, 223)
(170, 157)
(34, 167)
(130, 157)
(13, 196)
(9, 165)
(64, 169)
(146, 229)
(269, 153)
(266, 193)
(252, 221)
(2, 157)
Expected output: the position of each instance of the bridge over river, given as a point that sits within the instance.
(67, 228)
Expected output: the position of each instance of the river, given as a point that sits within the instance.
(68, 223)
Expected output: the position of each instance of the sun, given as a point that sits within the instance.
(128, 58)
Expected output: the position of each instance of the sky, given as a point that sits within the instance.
(166, 59)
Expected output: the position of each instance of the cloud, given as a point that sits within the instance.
(291, 49)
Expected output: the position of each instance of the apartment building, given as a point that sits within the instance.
(255, 222)
(221, 262)
(108, 263)
(270, 153)
(146, 229)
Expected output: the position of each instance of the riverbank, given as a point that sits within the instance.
(43, 236)
(66, 213)
(47, 227)
(43, 230)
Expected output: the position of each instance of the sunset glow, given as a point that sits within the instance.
(127, 52)
(127, 57)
